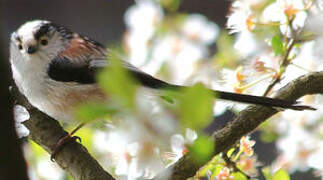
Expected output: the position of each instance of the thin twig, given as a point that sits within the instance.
(233, 164)
(283, 64)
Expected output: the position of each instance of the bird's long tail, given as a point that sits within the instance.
(265, 101)
(151, 82)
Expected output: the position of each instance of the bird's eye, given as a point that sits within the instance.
(20, 47)
(44, 42)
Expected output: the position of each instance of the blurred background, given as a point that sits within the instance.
(102, 20)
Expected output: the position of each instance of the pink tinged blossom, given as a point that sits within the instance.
(248, 164)
(246, 145)
(259, 66)
(224, 174)
(280, 10)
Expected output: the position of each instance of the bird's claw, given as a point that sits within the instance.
(61, 143)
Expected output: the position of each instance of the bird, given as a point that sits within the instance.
(55, 68)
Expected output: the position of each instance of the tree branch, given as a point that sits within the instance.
(249, 119)
(74, 158)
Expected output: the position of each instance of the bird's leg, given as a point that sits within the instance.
(64, 140)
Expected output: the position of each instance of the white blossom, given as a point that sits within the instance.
(197, 27)
(48, 170)
(280, 10)
(241, 18)
(179, 144)
(21, 115)
(142, 20)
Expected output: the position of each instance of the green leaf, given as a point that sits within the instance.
(214, 165)
(116, 81)
(277, 45)
(202, 150)
(230, 152)
(195, 106)
(269, 136)
(266, 172)
(226, 56)
(171, 5)
(168, 99)
(239, 176)
(281, 175)
(92, 111)
(36, 149)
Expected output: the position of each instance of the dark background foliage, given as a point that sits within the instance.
(100, 19)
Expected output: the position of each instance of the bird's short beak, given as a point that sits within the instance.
(31, 49)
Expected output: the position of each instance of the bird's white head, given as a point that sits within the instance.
(38, 40)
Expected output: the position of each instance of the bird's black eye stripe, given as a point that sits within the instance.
(18, 39)
(42, 31)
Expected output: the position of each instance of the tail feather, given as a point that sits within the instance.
(151, 82)
(265, 101)
(251, 99)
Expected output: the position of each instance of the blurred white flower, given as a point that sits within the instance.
(315, 159)
(247, 44)
(142, 20)
(132, 149)
(143, 17)
(159, 120)
(227, 81)
(296, 148)
(178, 50)
(179, 145)
(21, 115)
(241, 18)
(197, 28)
(231, 80)
(319, 3)
(282, 10)
(45, 169)
(117, 145)
(179, 54)
(314, 25)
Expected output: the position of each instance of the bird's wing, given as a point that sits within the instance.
(83, 58)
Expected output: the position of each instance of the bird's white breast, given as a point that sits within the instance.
(56, 99)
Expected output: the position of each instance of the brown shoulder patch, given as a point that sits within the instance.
(79, 47)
